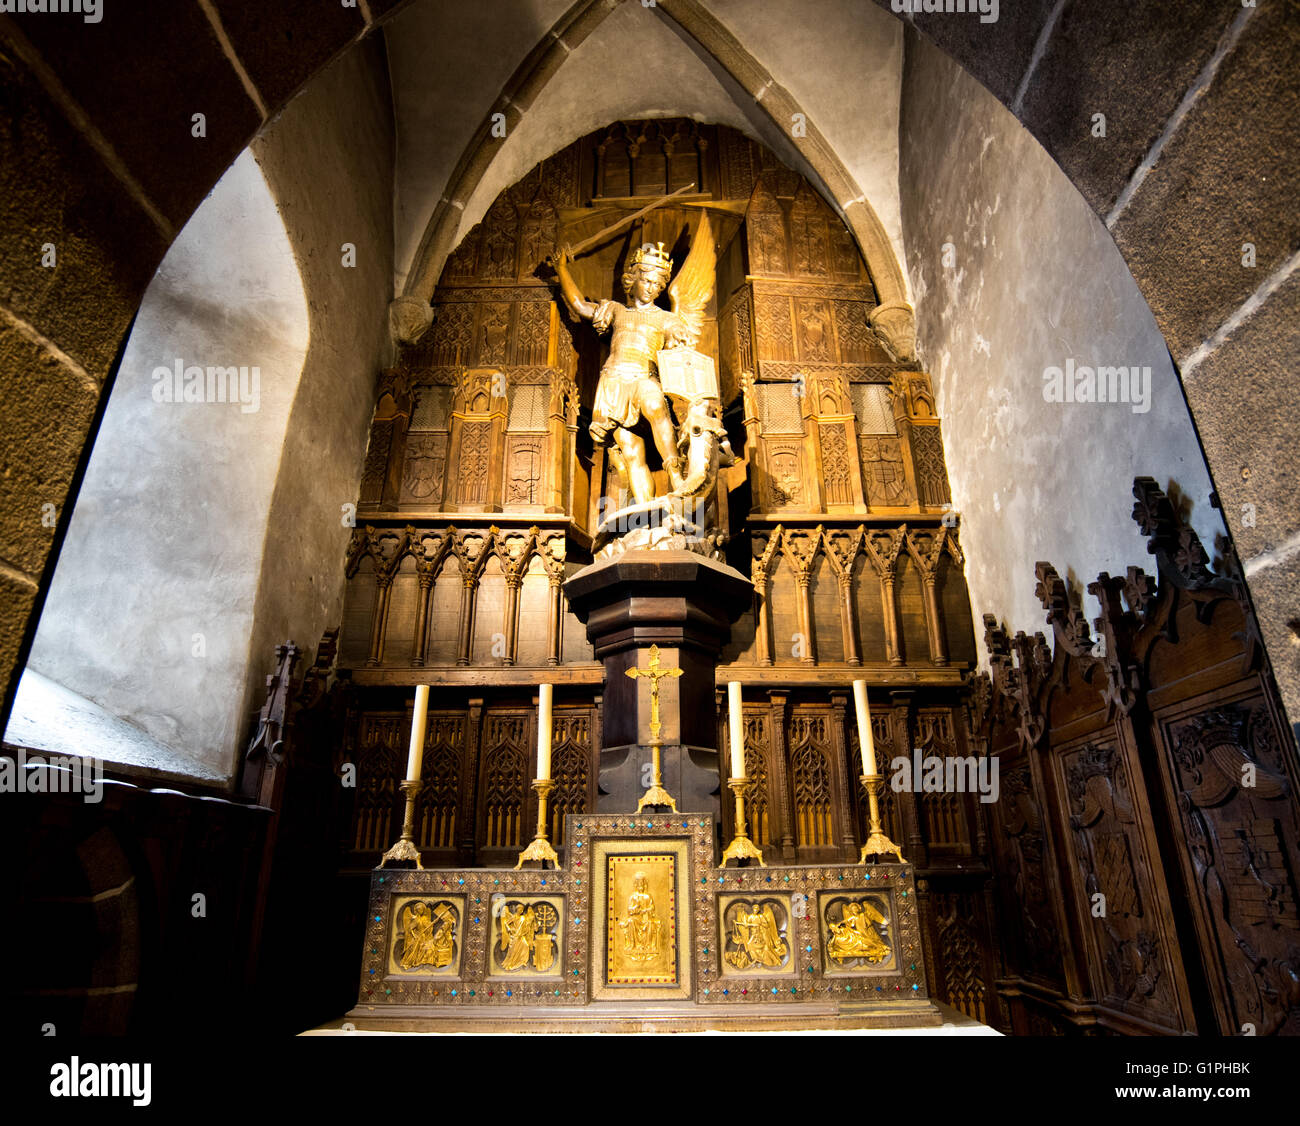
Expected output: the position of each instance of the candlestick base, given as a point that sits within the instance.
(877, 844)
(742, 850)
(656, 795)
(539, 852)
(402, 853)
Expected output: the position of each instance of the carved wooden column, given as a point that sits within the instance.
(571, 446)
(800, 553)
(557, 434)
(841, 549)
(889, 605)
(882, 549)
(422, 616)
(901, 726)
(926, 550)
(779, 774)
(803, 606)
(555, 616)
(843, 801)
(753, 443)
(467, 818)
(379, 623)
(929, 936)
(763, 630)
(852, 654)
(468, 599)
(933, 621)
(514, 580)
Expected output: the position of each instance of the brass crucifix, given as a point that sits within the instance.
(656, 794)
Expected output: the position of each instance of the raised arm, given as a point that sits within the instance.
(578, 304)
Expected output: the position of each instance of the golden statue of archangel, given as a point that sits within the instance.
(630, 386)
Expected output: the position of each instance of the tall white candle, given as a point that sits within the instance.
(737, 729)
(864, 727)
(418, 724)
(544, 697)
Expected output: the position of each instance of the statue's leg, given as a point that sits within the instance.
(655, 408)
(619, 463)
(638, 473)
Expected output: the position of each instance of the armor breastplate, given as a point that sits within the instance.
(638, 335)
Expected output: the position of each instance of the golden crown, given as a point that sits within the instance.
(655, 256)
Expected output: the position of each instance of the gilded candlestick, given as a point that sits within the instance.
(741, 847)
(540, 850)
(877, 844)
(404, 851)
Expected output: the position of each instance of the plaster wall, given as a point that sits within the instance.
(153, 598)
(329, 159)
(1036, 280)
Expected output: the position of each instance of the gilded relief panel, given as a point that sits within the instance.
(527, 937)
(754, 935)
(427, 936)
(640, 937)
(641, 919)
(857, 933)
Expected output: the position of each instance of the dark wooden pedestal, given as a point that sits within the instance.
(685, 604)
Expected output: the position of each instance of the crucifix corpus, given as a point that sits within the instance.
(655, 794)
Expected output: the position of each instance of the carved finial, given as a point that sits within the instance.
(1176, 546)
(1064, 610)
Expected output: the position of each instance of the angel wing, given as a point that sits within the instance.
(693, 286)
(772, 931)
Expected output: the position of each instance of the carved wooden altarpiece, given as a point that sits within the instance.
(481, 497)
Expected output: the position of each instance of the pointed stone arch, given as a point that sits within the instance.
(892, 318)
